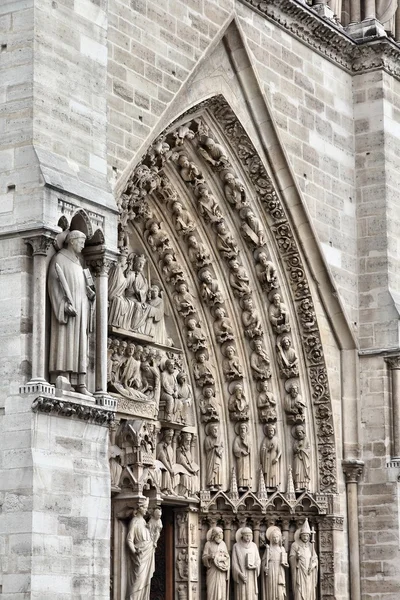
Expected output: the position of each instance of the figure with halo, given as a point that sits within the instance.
(273, 566)
(71, 293)
(304, 564)
(245, 565)
(217, 562)
(141, 562)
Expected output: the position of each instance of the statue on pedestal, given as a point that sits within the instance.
(71, 297)
(273, 566)
(217, 562)
(304, 564)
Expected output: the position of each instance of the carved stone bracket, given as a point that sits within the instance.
(393, 362)
(74, 410)
(40, 243)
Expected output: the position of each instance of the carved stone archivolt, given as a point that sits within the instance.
(214, 352)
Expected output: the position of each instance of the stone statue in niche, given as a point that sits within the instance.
(241, 451)
(155, 525)
(183, 299)
(169, 389)
(294, 404)
(166, 460)
(118, 308)
(188, 170)
(181, 521)
(226, 244)
(197, 253)
(222, 326)
(270, 456)
(141, 564)
(231, 364)
(266, 402)
(201, 370)
(184, 399)
(259, 361)
(278, 315)
(251, 227)
(307, 314)
(304, 564)
(156, 237)
(238, 278)
(171, 268)
(189, 481)
(209, 406)
(155, 325)
(301, 459)
(273, 565)
(214, 449)
(182, 563)
(209, 288)
(287, 358)
(194, 336)
(234, 190)
(217, 562)
(181, 219)
(266, 271)
(250, 318)
(207, 205)
(72, 295)
(213, 153)
(245, 565)
(238, 405)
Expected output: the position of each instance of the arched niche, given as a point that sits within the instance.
(203, 207)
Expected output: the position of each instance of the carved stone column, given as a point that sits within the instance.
(353, 469)
(393, 363)
(370, 11)
(330, 555)
(101, 265)
(187, 557)
(355, 11)
(40, 245)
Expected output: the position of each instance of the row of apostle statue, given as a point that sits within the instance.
(244, 563)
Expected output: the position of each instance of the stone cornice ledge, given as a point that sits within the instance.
(74, 410)
(328, 39)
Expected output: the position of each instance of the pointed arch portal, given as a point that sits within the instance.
(215, 353)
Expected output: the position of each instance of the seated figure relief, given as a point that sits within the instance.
(287, 358)
(231, 364)
(266, 403)
(251, 227)
(278, 315)
(238, 278)
(266, 271)
(234, 190)
(238, 405)
(222, 326)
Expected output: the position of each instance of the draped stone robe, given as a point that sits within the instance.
(68, 341)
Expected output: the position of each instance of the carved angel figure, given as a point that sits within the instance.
(194, 335)
(234, 190)
(231, 364)
(226, 244)
(287, 358)
(238, 404)
(208, 206)
(213, 153)
(241, 451)
(188, 170)
(209, 288)
(266, 272)
(259, 361)
(266, 402)
(278, 315)
(157, 237)
(197, 252)
(172, 269)
(250, 318)
(208, 405)
(251, 228)
(294, 405)
(183, 300)
(238, 278)
(270, 456)
(201, 371)
(222, 326)
(182, 221)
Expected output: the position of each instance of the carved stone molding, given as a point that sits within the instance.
(100, 265)
(353, 469)
(329, 39)
(74, 410)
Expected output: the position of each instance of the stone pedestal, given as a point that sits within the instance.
(367, 29)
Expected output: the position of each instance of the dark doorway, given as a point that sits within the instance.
(162, 583)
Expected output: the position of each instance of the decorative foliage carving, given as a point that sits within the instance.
(65, 408)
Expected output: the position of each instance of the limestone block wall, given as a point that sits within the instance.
(55, 505)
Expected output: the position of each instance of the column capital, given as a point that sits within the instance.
(393, 362)
(40, 243)
(353, 469)
(100, 265)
